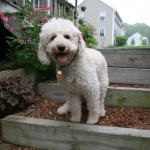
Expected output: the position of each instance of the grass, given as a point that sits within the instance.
(128, 47)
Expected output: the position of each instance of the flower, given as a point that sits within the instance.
(24, 41)
(4, 18)
(11, 28)
(7, 25)
(39, 9)
(1, 15)
(95, 34)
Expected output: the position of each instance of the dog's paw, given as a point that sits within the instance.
(102, 113)
(93, 120)
(62, 110)
(75, 119)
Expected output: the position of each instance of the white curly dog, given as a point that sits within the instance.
(80, 70)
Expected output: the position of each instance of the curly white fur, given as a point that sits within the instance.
(84, 70)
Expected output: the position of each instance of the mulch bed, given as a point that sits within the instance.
(115, 116)
(137, 118)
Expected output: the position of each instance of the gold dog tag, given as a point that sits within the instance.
(60, 74)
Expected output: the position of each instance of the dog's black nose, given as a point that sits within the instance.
(61, 47)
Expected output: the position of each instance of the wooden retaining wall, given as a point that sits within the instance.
(129, 66)
(116, 96)
(58, 135)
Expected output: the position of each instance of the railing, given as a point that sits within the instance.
(57, 6)
(53, 7)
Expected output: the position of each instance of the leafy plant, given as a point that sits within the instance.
(121, 40)
(88, 32)
(23, 51)
(15, 91)
(143, 40)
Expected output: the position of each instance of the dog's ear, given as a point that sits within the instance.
(42, 55)
(81, 43)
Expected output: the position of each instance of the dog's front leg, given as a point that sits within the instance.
(75, 107)
(64, 109)
(93, 105)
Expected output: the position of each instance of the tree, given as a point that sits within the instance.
(132, 42)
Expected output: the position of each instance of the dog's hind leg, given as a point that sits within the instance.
(103, 89)
(64, 109)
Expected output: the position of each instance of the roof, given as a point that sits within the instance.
(138, 36)
(135, 35)
(117, 14)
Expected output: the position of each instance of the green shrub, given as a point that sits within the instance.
(23, 51)
(121, 40)
(88, 33)
(143, 40)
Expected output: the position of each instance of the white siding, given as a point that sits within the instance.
(91, 15)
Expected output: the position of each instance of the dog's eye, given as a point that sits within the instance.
(67, 36)
(53, 37)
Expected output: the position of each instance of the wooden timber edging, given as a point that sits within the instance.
(128, 66)
(127, 58)
(129, 75)
(59, 135)
(116, 96)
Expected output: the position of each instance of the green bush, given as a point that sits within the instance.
(121, 40)
(23, 51)
(88, 33)
(143, 40)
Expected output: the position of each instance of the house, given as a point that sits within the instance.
(53, 7)
(105, 19)
(137, 37)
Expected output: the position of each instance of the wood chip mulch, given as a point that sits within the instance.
(137, 118)
(115, 116)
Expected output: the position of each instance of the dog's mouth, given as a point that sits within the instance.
(62, 57)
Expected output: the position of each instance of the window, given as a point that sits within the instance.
(102, 16)
(80, 16)
(36, 3)
(102, 31)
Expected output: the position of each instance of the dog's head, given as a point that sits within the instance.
(61, 40)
